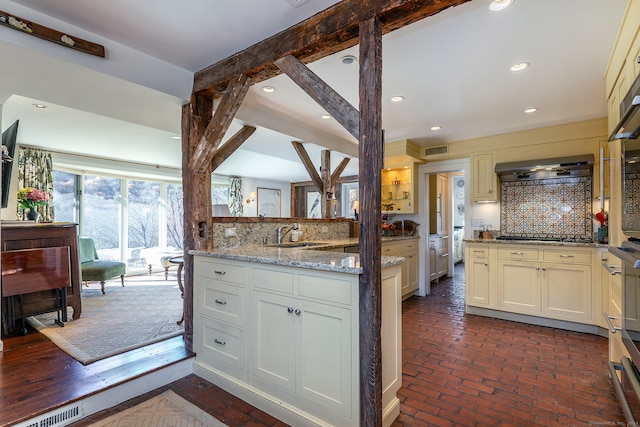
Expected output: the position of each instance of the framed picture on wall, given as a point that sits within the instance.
(313, 205)
(269, 201)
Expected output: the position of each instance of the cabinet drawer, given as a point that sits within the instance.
(566, 256)
(222, 301)
(478, 251)
(407, 247)
(279, 281)
(389, 249)
(325, 289)
(220, 343)
(518, 254)
(222, 271)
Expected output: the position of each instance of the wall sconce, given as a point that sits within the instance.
(251, 198)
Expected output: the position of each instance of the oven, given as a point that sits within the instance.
(628, 388)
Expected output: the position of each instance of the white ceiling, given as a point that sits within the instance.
(452, 69)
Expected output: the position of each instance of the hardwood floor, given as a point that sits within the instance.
(458, 370)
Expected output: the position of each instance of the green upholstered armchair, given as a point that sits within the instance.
(93, 269)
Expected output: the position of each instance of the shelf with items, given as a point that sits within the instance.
(398, 188)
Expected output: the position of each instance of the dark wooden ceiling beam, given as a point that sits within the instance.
(308, 164)
(329, 31)
(345, 113)
(219, 124)
(229, 147)
(335, 176)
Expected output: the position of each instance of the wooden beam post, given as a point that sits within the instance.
(325, 173)
(370, 162)
(196, 193)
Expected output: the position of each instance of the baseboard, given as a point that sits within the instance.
(534, 320)
(390, 412)
(275, 407)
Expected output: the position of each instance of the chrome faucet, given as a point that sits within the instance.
(281, 234)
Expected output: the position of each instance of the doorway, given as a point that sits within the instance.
(443, 197)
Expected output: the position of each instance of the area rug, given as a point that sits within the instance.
(165, 410)
(123, 319)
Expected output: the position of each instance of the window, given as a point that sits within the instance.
(350, 194)
(65, 191)
(101, 215)
(132, 221)
(142, 220)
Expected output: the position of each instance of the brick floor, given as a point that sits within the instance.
(466, 370)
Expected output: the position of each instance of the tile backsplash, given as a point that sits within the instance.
(558, 207)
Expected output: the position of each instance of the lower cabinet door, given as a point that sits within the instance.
(274, 349)
(566, 291)
(519, 286)
(324, 361)
(478, 281)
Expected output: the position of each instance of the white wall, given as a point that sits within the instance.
(252, 184)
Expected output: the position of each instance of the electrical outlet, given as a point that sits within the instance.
(230, 232)
(325, 229)
(477, 222)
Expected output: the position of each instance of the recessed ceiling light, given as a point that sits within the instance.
(530, 110)
(519, 66)
(39, 105)
(326, 116)
(397, 98)
(348, 59)
(497, 5)
(436, 127)
(268, 89)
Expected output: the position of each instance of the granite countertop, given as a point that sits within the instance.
(538, 242)
(312, 257)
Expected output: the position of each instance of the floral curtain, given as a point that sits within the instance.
(235, 196)
(35, 169)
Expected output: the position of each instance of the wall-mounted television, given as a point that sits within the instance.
(9, 137)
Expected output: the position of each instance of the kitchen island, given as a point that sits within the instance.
(278, 327)
(549, 283)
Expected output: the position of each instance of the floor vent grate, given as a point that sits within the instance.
(57, 418)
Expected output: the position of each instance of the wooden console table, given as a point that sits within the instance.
(33, 236)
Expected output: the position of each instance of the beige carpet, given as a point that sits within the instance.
(165, 410)
(121, 320)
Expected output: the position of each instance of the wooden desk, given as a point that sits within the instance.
(33, 236)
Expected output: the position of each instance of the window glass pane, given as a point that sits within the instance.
(64, 196)
(219, 194)
(175, 216)
(101, 215)
(350, 193)
(144, 203)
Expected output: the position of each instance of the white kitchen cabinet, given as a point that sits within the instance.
(477, 275)
(519, 286)
(287, 337)
(552, 282)
(484, 182)
(219, 301)
(409, 250)
(303, 349)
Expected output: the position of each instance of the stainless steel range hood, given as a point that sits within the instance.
(559, 167)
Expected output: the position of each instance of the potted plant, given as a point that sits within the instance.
(30, 198)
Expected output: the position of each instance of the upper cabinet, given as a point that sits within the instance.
(484, 181)
(400, 177)
(399, 189)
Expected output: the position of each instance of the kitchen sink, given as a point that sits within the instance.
(296, 245)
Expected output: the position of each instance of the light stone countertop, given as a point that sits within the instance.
(312, 257)
(538, 242)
